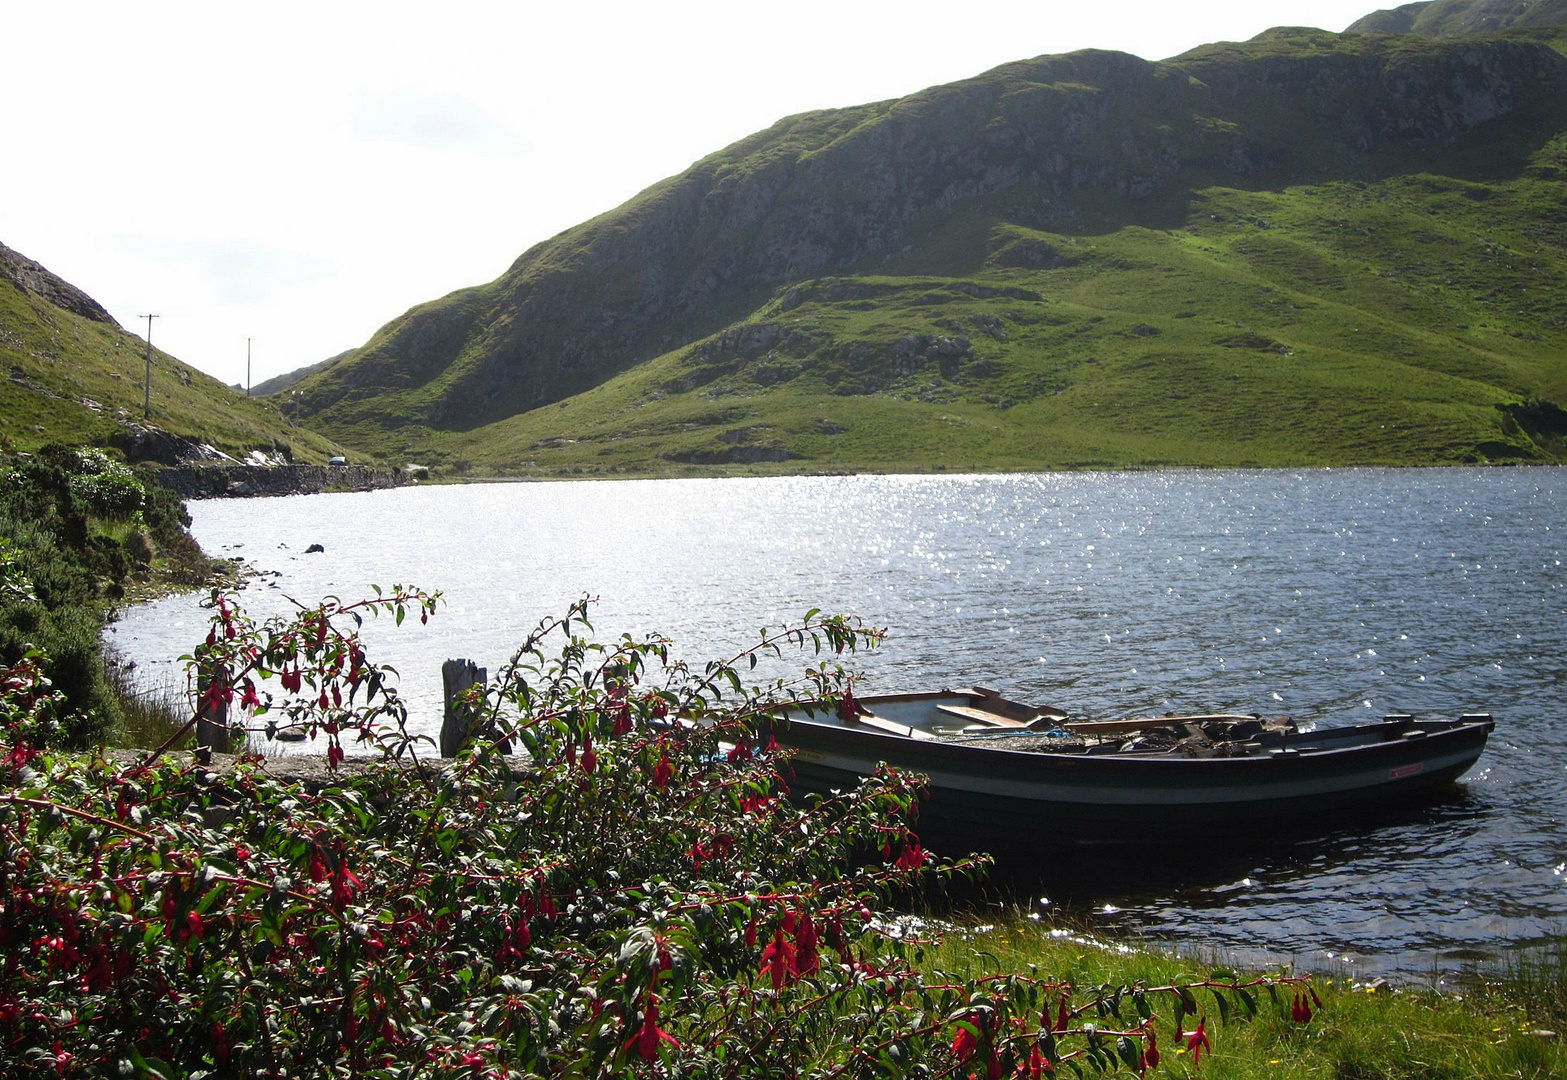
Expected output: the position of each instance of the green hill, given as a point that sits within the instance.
(1462, 18)
(76, 377)
(278, 383)
(1306, 248)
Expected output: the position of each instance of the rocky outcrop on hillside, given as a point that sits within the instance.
(35, 278)
(1044, 143)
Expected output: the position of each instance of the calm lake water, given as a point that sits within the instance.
(1333, 596)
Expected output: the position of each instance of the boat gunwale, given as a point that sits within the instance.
(1441, 734)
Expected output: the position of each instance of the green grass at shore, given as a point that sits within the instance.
(1361, 1033)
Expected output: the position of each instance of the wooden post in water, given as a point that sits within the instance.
(458, 677)
(212, 717)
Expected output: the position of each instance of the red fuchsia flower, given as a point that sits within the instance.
(1064, 1015)
(291, 679)
(1038, 1064)
(99, 975)
(21, 755)
(195, 925)
(648, 1037)
(590, 760)
(663, 772)
(964, 1043)
(345, 886)
(1151, 1055)
(741, 751)
(848, 708)
(750, 933)
(993, 1067)
(834, 934)
(779, 960)
(1300, 1009)
(1315, 1000)
(806, 962)
(61, 953)
(912, 857)
(220, 1042)
(334, 756)
(1198, 1041)
(249, 699)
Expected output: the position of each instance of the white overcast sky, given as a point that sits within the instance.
(303, 173)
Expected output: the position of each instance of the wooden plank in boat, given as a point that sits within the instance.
(891, 727)
(980, 716)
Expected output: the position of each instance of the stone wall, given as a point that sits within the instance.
(240, 481)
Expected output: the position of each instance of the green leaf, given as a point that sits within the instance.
(1130, 1054)
(151, 1067)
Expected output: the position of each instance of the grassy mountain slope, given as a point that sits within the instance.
(1307, 248)
(278, 383)
(75, 376)
(1462, 18)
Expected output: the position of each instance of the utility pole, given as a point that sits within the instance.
(146, 409)
(247, 367)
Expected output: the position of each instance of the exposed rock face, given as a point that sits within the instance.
(147, 443)
(33, 277)
(848, 191)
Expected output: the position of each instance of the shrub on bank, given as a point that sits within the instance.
(637, 897)
(79, 527)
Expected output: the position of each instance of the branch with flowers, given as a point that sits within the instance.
(635, 891)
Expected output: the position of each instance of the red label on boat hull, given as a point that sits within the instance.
(1407, 770)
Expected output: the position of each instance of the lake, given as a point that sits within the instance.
(1330, 595)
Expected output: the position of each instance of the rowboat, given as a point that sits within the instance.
(1005, 774)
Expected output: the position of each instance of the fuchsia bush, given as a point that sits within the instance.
(632, 893)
